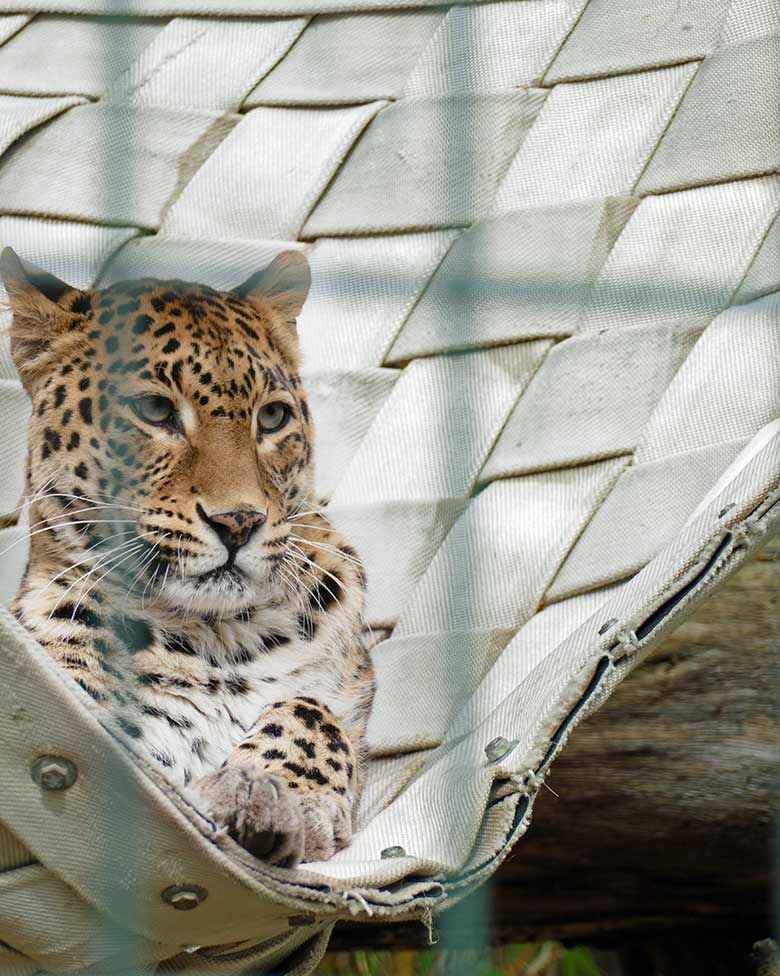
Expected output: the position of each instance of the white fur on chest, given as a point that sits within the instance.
(199, 726)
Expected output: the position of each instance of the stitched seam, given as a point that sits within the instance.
(167, 60)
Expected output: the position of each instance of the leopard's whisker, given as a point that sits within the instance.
(145, 562)
(80, 562)
(309, 525)
(118, 562)
(29, 499)
(154, 575)
(288, 581)
(165, 577)
(179, 558)
(146, 558)
(300, 512)
(302, 555)
(60, 525)
(56, 519)
(103, 562)
(326, 547)
(311, 562)
(300, 584)
(108, 503)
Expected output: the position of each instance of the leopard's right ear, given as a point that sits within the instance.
(284, 283)
(33, 295)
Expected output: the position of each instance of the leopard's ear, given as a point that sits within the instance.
(33, 295)
(284, 283)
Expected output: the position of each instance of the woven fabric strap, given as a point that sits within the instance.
(542, 349)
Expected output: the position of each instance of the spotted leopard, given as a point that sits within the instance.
(180, 569)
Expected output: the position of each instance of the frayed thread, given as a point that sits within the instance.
(352, 893)
(430, 928)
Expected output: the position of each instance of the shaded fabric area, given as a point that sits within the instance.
(542, 353)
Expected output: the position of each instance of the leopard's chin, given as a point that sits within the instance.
(224, 590)
(226, 577)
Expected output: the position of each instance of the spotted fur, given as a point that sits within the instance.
(180, 569)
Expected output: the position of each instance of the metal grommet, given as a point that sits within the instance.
(184, 897)
(607, 624)
(394, 851)
(726, 509)
(54, 773)
(295, 920)
(497, 748)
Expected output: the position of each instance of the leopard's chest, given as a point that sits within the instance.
(193, 712)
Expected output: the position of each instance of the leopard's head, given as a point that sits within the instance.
(168, 420)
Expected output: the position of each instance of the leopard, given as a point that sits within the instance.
(181, 569)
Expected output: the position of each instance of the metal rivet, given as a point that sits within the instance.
(497, 748)
(296, 920)
(54, 773)
(726, 509)
(393, 852)
(184, 897)
(607, 624)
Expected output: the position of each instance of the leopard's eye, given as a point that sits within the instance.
(154, 409)
(272, 417)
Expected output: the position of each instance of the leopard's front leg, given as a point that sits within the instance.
(287, 792)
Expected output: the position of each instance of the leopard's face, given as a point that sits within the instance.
(178, 412)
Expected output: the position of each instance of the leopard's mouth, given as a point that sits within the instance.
(226, 576)
(163, 564)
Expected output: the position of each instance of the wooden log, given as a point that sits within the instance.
(765, 958)
(667, 801)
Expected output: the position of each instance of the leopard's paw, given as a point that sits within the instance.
(258, 810)
(327, 824)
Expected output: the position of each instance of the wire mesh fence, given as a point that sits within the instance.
(532, 259)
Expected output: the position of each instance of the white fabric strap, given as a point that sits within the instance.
(541, 350)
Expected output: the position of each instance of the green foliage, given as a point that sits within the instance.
(523, 959)
(578, 962)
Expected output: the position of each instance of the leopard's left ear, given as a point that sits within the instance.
(38, 319)
(25, 279)
(285, 283)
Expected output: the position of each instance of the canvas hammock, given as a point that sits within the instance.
(543, 349)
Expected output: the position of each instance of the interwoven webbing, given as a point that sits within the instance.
(543, 351)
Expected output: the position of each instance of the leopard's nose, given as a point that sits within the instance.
(233, 528)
